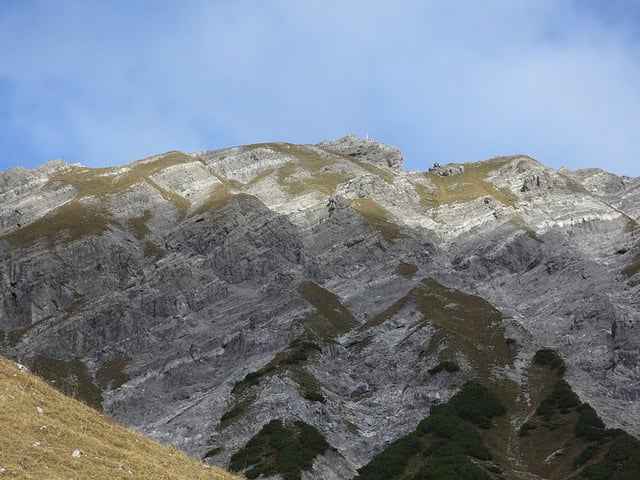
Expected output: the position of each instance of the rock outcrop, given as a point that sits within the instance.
(207, 294)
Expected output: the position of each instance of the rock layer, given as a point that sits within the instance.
(182, 273)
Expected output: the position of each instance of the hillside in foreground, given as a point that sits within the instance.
(47, 435)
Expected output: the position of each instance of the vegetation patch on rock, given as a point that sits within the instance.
(285, 448)
(441, 446)
(550, 358)
(330, 318)
(71, 377)
(377, 217)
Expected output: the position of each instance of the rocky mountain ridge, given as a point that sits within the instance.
(197, 297)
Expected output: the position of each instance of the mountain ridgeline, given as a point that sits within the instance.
(317, 312)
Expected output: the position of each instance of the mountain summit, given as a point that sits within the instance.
(315, 311)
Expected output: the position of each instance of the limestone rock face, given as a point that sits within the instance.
(367, 150)
(207, 294)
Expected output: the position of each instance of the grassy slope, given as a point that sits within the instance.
(466, 186)
(40, 445)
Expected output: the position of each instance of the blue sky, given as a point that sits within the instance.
(108, 82)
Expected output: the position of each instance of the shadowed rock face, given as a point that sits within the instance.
(180, 274)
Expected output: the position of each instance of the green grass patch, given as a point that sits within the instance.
(466, 186)
(330, 318)
(70, 222)
(71, 377)
(309, 385)
(307, 159)
(111, 374)
(311, 161)
(99, 182)
(463, 323)
(377, 217)
(407, 270)
(285, 448)
(218, 199)
(325, 183)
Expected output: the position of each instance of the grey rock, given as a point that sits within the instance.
(367, 150)
(192, 273)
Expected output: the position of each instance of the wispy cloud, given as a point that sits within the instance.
(107, 82)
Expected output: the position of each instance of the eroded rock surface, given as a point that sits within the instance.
(175, 277)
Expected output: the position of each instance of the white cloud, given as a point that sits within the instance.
(107, 82)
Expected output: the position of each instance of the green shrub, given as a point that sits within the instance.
(586, 455)
(456, 467)
(622, 461)
(589, 424)
(314, 396)
(456, 439)
(561, 397)
(476, 404)
(549, 357)
(280, 449)
(391, 462)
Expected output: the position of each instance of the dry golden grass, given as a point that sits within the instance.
(71, 221)
(305, 159)
(219, 198)
(330, 318)
(80, 218)
(98, 182)
(36, 446)
(466, 186)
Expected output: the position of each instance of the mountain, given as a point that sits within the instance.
(44, 434)
(226, 302)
